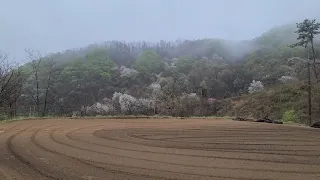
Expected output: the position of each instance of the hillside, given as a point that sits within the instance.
(277, 36)
(180, 78)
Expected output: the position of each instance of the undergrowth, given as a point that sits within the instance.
(284, 102)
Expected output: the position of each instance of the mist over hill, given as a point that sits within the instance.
(60, 25)
(127, 69)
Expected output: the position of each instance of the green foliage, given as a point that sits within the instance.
(149, 62)
(3, 117)
(290, 116)
(184, 64)
(96, 66)
(307, 30)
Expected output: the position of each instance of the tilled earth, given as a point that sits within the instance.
(140, 149)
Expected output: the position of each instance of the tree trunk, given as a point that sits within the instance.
(309, 96)
(46, 95)
(314, 60)
(37, 93)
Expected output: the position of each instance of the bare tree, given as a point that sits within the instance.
(37, 59)
(11, 80)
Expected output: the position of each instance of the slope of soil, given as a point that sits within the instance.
(157, 149)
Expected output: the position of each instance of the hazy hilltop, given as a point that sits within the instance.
(60, 25)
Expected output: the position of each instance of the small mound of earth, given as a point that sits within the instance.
(241, 119)
(316, 125)
(269, 121)
(264, 120)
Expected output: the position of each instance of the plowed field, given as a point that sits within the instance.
(141, 149)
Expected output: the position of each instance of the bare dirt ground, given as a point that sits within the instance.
(139, 149)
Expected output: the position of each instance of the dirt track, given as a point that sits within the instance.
(157, 149)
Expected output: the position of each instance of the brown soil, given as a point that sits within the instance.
(139, 149)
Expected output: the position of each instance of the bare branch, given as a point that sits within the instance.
(11, 79)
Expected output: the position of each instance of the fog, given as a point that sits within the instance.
(51, 26)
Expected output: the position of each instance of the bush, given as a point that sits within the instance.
(3, 117)
(290, 116)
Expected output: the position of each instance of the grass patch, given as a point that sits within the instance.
(290, 116)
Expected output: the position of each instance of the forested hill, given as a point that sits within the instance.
(176, 78)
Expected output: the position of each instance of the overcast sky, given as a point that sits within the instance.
(55, 25)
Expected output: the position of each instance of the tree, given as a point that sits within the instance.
(307, 30)
(37, 59)
(11, 80)
(49, 86)
(255, 86)
(127, 103)
(171, 89)
(86, 80)
(148, 64)
(155, 95)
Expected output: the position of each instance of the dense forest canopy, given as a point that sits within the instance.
(179, 78)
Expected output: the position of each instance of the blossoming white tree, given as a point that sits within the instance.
(287, 79)
(255, 86)
(127, 72)
(127, 103)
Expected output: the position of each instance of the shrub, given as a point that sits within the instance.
(3, 117)
(290, 116)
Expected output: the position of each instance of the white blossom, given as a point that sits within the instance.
(156, 90)
(190, 96)
(255, 86)
(116, 96)
(286, 79)
(155, 86)
(100, 108)
(144, 104)
(127, 103)
(127, 72)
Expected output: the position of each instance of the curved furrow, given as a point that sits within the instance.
(226, 138)
(8, 130)
(23, 160)
(315, 168)
(244, 151)
(88, 162)
(178, 139)
(180, 164)
(140, 168)
(243, 157)
(214, 134)
(317, 145)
